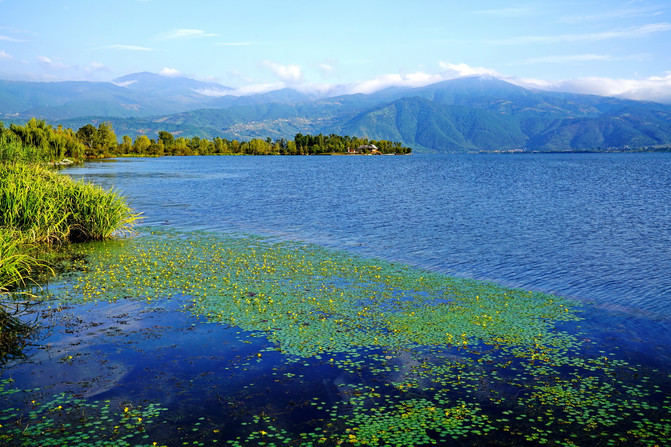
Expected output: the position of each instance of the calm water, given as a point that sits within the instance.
(586, 226)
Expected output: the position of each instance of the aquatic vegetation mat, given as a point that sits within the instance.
(64, 420)
(357, 351)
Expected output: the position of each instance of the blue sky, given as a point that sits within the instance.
(603, 47)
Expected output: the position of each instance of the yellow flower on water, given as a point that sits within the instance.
(263, 432)
(125, 410)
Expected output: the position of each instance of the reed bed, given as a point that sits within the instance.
(12, 149)
(50, 208)
(39, 207)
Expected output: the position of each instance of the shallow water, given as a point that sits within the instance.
(589, 227)
(596, 227)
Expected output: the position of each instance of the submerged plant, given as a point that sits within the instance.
(422, 358)
(63, 420)
(13, 335)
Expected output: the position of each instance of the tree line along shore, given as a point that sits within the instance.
(48, 143)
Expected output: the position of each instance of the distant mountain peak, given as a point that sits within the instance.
(167, 85)
(464, 114)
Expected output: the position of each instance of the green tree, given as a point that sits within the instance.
(141, 144)
(105, 139)
(87, 136)
(156, 148)
(167, 138)
(126, 146)
(168, 141)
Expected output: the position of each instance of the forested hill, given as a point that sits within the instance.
(466, 114)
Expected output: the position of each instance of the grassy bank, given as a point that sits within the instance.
(40, 208)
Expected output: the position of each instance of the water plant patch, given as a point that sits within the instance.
(359, 351)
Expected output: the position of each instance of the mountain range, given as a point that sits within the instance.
(459, 115)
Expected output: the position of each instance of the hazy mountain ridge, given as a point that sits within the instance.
(465, 114)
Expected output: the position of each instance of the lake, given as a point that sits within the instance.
(596, 227)
(384, 234)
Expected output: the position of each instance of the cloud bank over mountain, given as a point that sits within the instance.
(654, 88)
(428, 113)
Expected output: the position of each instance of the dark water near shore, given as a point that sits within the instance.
(586, 226)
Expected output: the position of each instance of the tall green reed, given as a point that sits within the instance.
(46, 207)
(12, 149)
(38, 206)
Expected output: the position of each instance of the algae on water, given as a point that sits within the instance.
(423, 358)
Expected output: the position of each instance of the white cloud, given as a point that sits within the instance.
(51, 65)
(506, 12)
(10, 39)
(610, 14)
(187, 33)
(256, 88)
(291, 74)
(5, 55)
(125, 83)
(563, 59)
(214, 92)
(127, 47)
(632, 32)
(96, 67)
(653, 88)
(234, 44)
(418, 79)
(460, 70)
(326, 69)
(170, 72)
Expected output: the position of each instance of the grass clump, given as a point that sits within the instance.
(47, 208)
(39, 207)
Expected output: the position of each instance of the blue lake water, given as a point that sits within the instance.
(595, 227)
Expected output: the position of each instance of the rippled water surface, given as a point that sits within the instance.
(185, 337)
(587, 226)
